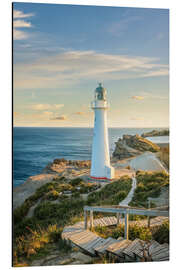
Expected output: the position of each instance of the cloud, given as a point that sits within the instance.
(19, 34)
(73, 67)
(57, 106)
(42, 107)
(46, 113)
(20, 14)
(62, 118)
(80, 113)
(160, 72)
(137, 118)
(155, 96)
(21, 24)
(137, 97)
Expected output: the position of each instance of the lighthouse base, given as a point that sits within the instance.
(108, 174)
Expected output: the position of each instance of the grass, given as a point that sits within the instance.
(149, 184)
(112, 193)
(37, 244)
(135, 231)
(34, 236)
(51, 191)
(161, 235)
(158, 233)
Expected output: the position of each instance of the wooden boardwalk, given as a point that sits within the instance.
(120, 249)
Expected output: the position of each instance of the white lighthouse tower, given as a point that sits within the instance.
(100, 161)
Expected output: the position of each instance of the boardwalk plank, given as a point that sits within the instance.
(122, 248)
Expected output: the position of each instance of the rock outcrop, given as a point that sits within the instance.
(130, 146)
(122, 151)
(154, 133)
(76, 163)
(68, 168)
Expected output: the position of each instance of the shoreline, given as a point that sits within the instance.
(144, 161)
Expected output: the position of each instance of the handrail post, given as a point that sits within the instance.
(126, 224)
(149, 222)
(118, 219)
(91, 219)
(85, 219)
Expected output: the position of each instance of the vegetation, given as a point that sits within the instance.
(149, 184)
(135, 231)
(158, 233)
(52, 191)
(139, 143)
(38, 244)
(154, 133)
(34, 236)
(161, 235)
(112, 193)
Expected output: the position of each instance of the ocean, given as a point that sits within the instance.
(35, 147)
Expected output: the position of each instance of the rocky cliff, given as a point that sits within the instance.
(154, 133)
(130, 146)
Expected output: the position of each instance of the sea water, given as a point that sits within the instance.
(35, 147)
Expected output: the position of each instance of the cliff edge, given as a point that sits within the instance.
(133, 145)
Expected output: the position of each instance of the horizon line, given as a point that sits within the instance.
(87, 127)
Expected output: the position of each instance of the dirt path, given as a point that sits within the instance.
(147, 162)
(129, 197)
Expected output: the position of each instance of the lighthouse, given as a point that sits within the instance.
(100, 160)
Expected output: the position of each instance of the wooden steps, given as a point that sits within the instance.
(116, 249)
(138, 250)
(121, 249)
(101, 250)
(134, 249)
(161, 253)
(105, 221)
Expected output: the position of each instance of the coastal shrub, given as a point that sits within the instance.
(38, 243)
(68, 210)
(141, 187)
(76, 194)
(136, 217)
(161, 235)
(106, 195)
(20, 212)
(121, 195)
(149, 184)
(63, 246)
(55, 233)
(76, 181)
(59, 179)
(51, 195)
(135, 231)
(46, 188)
(48, 210)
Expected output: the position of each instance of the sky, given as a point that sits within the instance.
(61, 52)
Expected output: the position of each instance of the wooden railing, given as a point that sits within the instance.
(126, 210)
